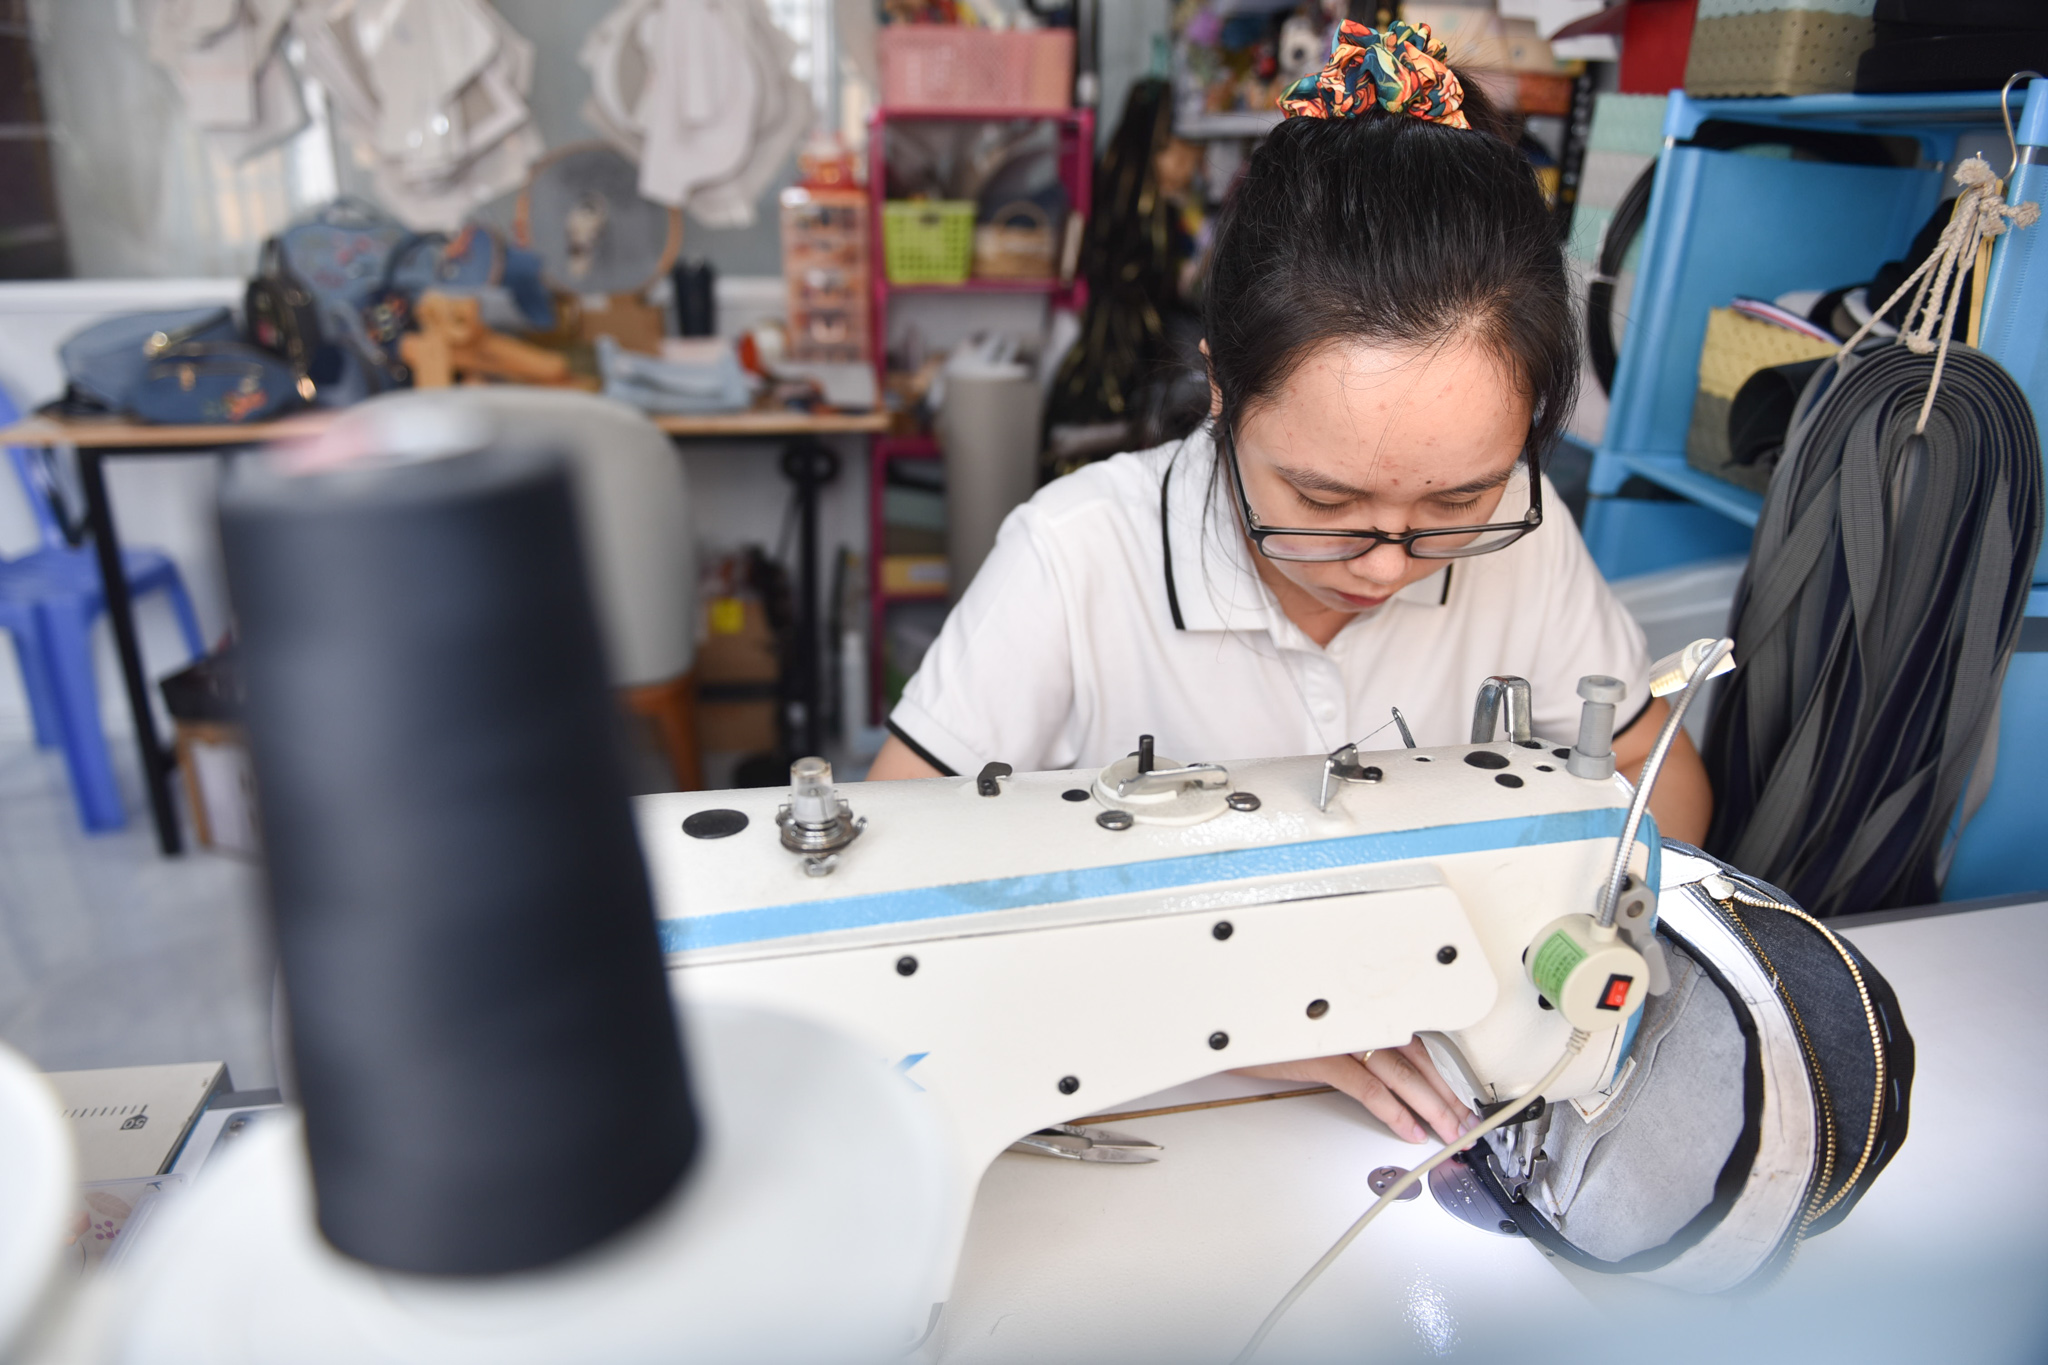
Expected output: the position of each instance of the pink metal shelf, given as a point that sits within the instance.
(1077, 173)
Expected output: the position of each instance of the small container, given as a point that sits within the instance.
(928, 241)
(1016, 243)
(825, 269)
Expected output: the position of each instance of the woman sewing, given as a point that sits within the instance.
(1362, 523)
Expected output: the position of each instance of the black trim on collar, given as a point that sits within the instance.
(1444, 598)
(1166, 545)
(1631, 720)
(919, 750)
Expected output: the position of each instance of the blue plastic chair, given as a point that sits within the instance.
(49, 599)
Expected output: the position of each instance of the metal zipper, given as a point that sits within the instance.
(159, 342)
(1871, 1022)
(1821, 1201)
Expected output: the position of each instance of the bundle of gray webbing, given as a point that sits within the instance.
(1881, 604)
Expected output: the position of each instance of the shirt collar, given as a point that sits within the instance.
(1210, 581)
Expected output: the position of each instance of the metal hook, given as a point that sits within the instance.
(2005, 112)
(1486, 709)
(1343, 765)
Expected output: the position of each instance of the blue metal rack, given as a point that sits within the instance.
(1728, 223)
(1725, 223)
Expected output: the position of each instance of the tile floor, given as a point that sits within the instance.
(112, 955)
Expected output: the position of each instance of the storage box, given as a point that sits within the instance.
(738, 665)
(220, 786)
(914, 575)
(1656, 41)
(1777, 47)
(943, 66)
(928, 241)
(825, 268)
(628, 319)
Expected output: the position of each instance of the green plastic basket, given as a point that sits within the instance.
(928, 241)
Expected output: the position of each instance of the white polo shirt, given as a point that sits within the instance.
(1121, 600)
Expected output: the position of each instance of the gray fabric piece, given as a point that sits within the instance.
(1882, 601)
(1647, 1164)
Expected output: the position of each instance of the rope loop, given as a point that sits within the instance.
(1980, 215)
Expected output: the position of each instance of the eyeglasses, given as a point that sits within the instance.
(1324, 547)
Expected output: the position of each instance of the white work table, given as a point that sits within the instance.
(1945, 1259)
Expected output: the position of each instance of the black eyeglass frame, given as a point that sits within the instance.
(1371, 540)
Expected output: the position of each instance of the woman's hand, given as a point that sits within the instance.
(1399, 1086)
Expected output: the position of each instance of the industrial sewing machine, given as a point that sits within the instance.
(1028, 948)
(881, 988)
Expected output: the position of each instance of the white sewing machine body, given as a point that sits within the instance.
(1024, 965)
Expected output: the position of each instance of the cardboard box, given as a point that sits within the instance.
(220, 786)
(739, 666)
(914, 575)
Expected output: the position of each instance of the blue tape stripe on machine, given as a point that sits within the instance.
(1092, 883)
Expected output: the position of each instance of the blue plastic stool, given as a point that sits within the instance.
(49, 599)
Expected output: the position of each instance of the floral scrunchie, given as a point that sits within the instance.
(1401, 69)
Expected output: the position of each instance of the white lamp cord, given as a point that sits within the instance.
(1401, 1186)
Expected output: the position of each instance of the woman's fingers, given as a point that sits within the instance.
(1411, 1084)
(1399, 1086)
(1359, 1082)
(1345, 1072)
(1415, 1052)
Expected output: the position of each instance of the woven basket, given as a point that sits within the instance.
(1758, 47)
(928, 241)
(1736, 348)
(1016, 243)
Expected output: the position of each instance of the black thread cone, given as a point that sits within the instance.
(483, 1040)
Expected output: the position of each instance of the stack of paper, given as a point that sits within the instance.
(128, 1121)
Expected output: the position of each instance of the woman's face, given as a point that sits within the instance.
(1368, 437)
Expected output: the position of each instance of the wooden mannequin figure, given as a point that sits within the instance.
(452, 343)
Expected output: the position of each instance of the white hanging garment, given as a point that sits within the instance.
(783, 115)
(700, 93)
(445, 205)
(280, 111)
(333, 57)
(421, 54)
(434, 91)
(430, 94)
(698, 107)
(617, 62)
(229, 68)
